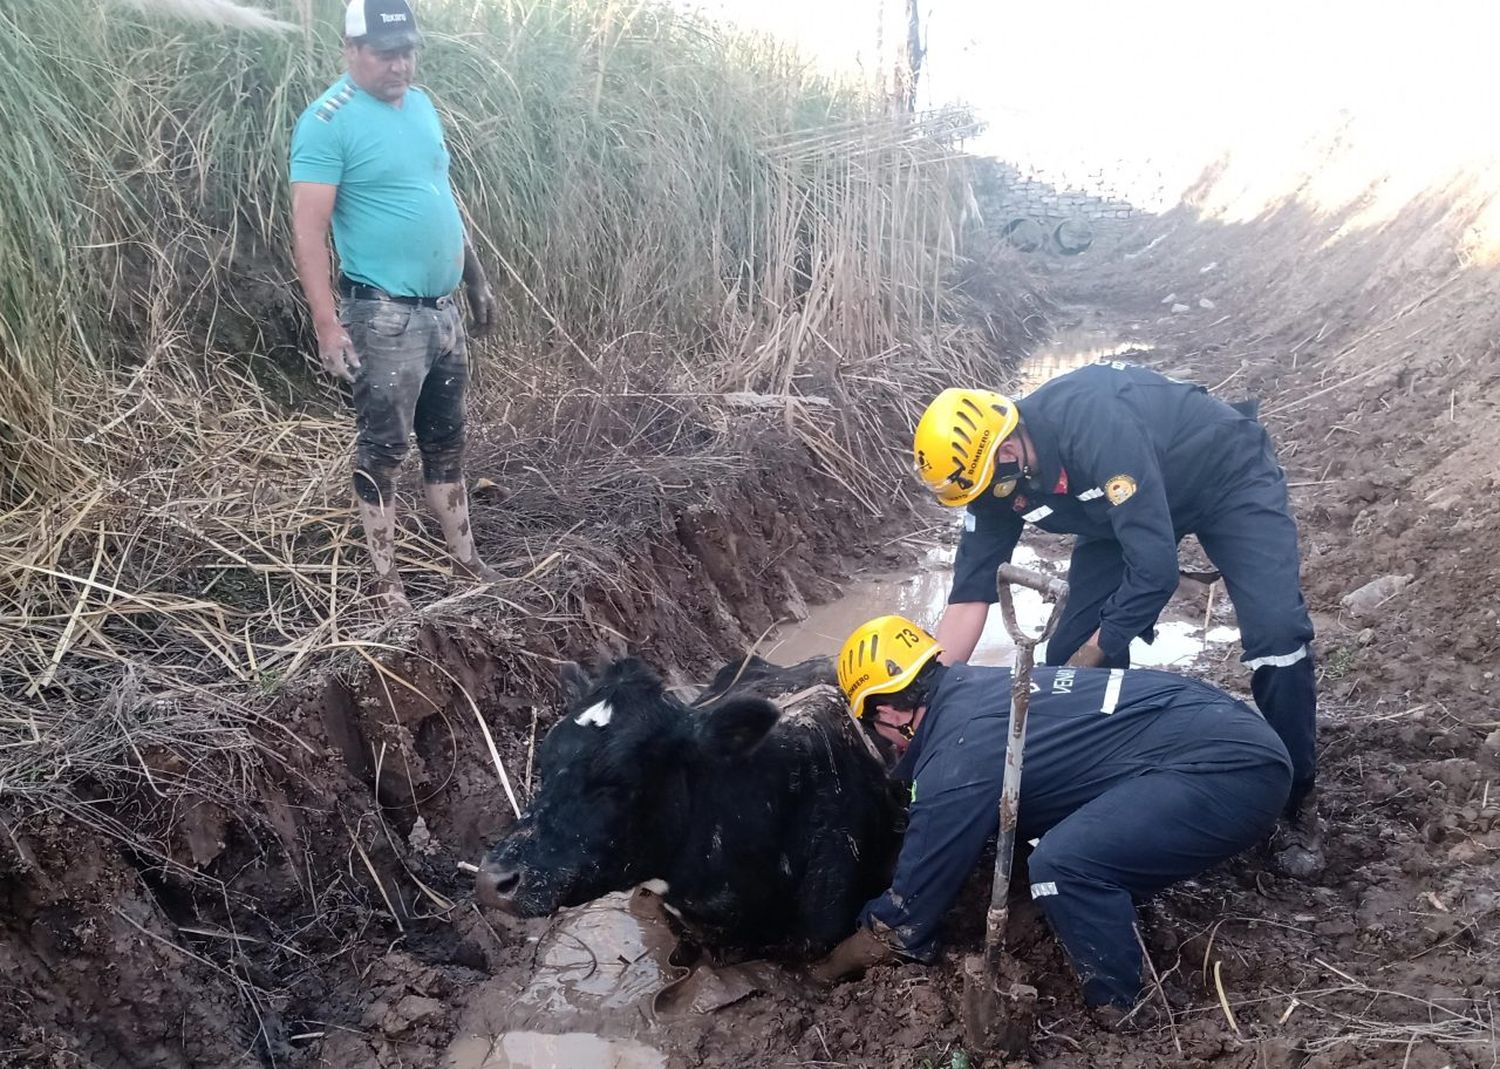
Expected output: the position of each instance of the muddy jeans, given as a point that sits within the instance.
(414, 369)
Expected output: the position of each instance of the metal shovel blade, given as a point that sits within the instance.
(998, 1013)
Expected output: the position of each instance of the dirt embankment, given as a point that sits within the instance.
(1372, 345)
(264, 932)
(1370, 342)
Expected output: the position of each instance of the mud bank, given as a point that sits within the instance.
(329, 922)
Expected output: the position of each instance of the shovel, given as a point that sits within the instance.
(998, 1009)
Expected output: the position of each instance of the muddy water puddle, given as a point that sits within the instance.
(601, 978)
(539, 1050)
(921, 596)
(1072, 348)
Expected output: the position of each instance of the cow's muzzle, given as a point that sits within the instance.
(496, 886)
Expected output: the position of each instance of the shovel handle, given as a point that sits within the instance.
(1057, 589)
(1015, 743)
(1048, 586)
(1010, 804)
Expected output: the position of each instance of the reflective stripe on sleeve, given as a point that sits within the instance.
(1042, 890)
(1280, 660)
(1112, 690)
(1037, 515)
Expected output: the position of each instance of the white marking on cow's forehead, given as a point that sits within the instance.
(595, 715)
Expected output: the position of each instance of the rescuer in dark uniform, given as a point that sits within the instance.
(1133, 780)
(1131, 461)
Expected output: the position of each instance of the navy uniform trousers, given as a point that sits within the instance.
(1137, 838)
(1253, 543)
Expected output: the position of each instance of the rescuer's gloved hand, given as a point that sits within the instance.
(854, 955)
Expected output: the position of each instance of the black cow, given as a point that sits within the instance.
(767, 832)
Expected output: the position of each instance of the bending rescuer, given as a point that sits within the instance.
(1133, 780)
(1130, 462)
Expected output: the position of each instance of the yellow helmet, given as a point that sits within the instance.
(956, 441)
(882, 657)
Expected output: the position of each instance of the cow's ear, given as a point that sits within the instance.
(736, 727)
(575, 682)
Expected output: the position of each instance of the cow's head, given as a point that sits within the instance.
(614, 774)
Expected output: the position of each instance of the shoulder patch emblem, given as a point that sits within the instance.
(1119, 489)
(331, 106)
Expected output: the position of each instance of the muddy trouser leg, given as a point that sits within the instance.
(1093, 575)
(392, 341)
(1134, 839)
(1253, 542)
(439, 416)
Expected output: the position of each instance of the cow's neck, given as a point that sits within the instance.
(698, 795)
(677, 797)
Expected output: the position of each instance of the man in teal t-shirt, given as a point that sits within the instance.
(368, 157)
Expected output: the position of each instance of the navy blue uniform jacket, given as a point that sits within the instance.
(1088, 730)
(1124, 453)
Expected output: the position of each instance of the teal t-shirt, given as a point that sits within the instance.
(395, 222)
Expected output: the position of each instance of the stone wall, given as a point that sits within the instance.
(1027, 209)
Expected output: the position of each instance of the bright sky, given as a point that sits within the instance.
(1152, 90)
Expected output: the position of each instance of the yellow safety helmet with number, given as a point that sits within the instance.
(956, 441)
(882, 657)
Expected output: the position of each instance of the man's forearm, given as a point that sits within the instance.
(1088, 655)
(314, 269)
(959, 630)
(473, 269)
